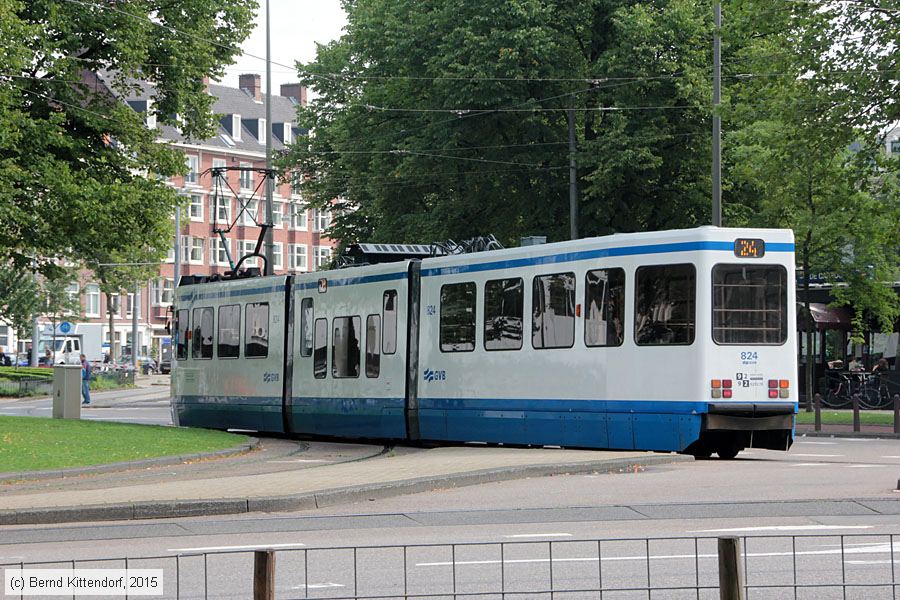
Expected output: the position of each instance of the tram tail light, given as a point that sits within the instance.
(726, 383)
(783, 384)
(726, 393)
(773, 383)
(773, 393)
(716, 383)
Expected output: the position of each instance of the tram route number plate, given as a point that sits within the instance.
(749, 248)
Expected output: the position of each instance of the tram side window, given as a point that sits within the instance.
(256, 330)
(229, 337)
(181, 334)
(503, 314)
(345, 347)
(306, 327)
(749, 304)
(665, 305)
(320, 353)
(458, 317)
(553, 311)
(373, 346)
(389, 341)
(202, 338)
(604, 307)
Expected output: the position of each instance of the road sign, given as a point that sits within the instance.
(65, 327)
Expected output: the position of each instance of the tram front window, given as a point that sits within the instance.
(749, 304)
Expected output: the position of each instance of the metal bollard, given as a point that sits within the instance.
(731, 578)
(855, 401)
(817, 399)
(896, 413)
(264, 575)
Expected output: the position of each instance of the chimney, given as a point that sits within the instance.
(295, 91)
(250, 83)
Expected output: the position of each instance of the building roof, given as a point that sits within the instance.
(231, 101)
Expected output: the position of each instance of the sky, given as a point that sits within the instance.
(296, 27)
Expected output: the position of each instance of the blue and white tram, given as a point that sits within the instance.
(671, 341)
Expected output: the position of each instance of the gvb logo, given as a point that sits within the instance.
(432, 375)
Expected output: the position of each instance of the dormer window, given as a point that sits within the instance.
(288, 139)
(262, 131)
(236, 127)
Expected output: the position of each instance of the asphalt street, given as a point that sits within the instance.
(147, 405)
(837, 495)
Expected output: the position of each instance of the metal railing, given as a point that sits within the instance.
(761, 567)
(37, 386)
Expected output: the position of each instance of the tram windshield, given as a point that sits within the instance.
(749, 304)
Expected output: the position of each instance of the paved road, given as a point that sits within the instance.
(803, 492)
(148, 405)
(823, 489)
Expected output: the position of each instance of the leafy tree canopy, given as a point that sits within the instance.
(74, 157)
(448, 119)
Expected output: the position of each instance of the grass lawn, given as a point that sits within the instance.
(34, 443)
(845, 417)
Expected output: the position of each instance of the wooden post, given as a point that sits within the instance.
(818, 401)
(855, 403)
(264, 575)
(896, 413)
(731, 579)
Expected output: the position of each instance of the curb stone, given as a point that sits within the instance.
(848, 434)
(318, 499)
(160, 461)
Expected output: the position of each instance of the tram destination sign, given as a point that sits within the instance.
(749, 248)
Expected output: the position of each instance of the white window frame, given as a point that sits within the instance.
(92, 300)
(250, 207)
(196, 253)
(277, 214)
(246, 177)
(319, 251)
(162, 290)
(225, 204)
(198, 205)
(302, 213)
(185, 249)
(192, 177)
(217, 254)
(319, 217)
(261, 126)
(246, 247)
(293, 255)
(288, 134)
(129, 305)
(277, 255)
(236, 127)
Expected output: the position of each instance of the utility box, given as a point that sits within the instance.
(67, 392)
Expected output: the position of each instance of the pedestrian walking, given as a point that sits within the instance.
(85, 382)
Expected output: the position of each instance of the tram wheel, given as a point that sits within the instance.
(702, 452)
(728, 452)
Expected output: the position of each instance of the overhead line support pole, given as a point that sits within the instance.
(717, 121)
(270, 233)
(573, 178)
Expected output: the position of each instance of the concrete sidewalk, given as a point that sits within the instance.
(873, 431)
(389, 474)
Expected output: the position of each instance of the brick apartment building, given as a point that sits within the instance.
(300, 244)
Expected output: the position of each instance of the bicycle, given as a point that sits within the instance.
(873, 392)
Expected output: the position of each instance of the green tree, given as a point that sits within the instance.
(391, 145)
(807, 149)
(23, 294)
(74, 156)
